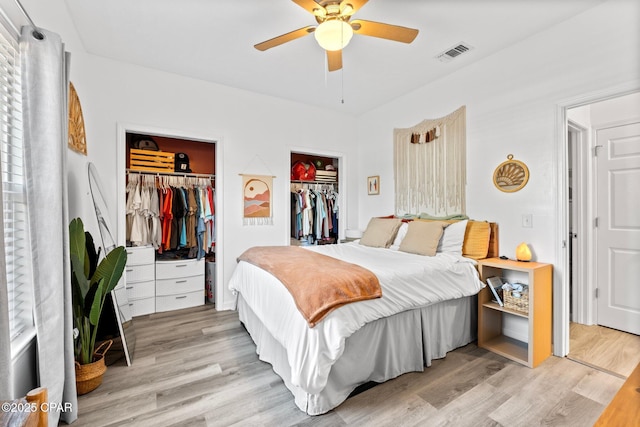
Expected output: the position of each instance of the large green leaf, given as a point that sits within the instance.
(111, 268)
(78, 277)
(92, 256)
(96, 304)
(77, 244)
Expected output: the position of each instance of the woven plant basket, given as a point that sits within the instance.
(89, 376)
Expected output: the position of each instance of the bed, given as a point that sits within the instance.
(428, 307)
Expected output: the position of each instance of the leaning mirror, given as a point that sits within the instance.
(119, 294)
(511, 175)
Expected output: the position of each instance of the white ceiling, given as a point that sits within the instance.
(213, 40)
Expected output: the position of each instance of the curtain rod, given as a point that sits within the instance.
(36, 32)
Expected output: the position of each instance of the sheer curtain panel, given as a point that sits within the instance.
(44, 103)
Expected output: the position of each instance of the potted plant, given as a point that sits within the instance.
(91, 282)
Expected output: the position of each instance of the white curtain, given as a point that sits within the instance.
(430, 166)
(44, 94)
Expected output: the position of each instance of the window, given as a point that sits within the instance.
(14, 201)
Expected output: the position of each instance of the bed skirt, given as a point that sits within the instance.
(379, 351)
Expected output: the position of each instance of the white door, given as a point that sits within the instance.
(618, 227)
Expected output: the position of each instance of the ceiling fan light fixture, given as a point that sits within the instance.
(334, 34)
(320, 12)
(346, 9)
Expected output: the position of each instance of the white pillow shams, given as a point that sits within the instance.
(453, 238)
(402, 231)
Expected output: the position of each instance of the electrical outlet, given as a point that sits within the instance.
(527, 220)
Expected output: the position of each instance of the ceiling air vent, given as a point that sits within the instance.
(454, 52)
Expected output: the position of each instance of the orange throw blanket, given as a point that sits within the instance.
(318, 283)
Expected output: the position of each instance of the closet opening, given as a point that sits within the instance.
(171, 205)
(169, 218)
(317, 208)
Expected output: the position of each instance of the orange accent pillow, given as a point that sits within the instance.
(476, 240)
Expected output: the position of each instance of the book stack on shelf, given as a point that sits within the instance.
(495, 285)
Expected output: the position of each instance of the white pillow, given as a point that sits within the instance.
(402, 231)
(453, 238)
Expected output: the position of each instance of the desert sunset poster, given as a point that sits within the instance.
(257, 198)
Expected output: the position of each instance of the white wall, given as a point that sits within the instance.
(257, 133)
(511, 100)
(615, 110)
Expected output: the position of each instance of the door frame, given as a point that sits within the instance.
(561, 284)
(121, 162)
(583, 279)
(342, 185)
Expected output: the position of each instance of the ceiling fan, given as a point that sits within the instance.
(335, 28)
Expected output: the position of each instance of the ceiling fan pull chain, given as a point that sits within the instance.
(342, 83)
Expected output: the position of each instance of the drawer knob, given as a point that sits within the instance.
(181, 281)
(181, 297)
(181, 265)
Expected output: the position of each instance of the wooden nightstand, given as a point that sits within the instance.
(539, 277)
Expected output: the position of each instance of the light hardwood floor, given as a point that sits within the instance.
(198, 367)
(604, 348)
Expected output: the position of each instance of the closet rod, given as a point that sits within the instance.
(314, 182)
(185, 175)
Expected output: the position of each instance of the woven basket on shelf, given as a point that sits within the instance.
(518, 304)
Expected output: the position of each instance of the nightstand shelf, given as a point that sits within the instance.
(491, 316)
(495, 306)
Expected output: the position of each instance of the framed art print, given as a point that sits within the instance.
(373, 185)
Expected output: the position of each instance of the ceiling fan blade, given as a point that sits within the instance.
(349, 7)
(334, 59)
(310, 6)
(277, 41)
(384, 31)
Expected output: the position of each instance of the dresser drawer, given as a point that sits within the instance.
(140, 273)
(140, 307)
(140, 255)
(177, 269)
(175, 302)
(136, 290)
(180, 285)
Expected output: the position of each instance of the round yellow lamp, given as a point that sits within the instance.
(523, 253)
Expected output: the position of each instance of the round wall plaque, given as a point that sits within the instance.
(511, 175)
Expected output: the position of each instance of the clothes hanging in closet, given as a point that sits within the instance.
(314, 213)
(171, 213)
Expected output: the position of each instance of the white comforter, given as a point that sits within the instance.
(408, 281)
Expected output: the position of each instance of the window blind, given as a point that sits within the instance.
(14, 201)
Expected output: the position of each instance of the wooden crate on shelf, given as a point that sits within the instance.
(151, 161)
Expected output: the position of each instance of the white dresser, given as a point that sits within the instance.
(140, 280)
(179, 284)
